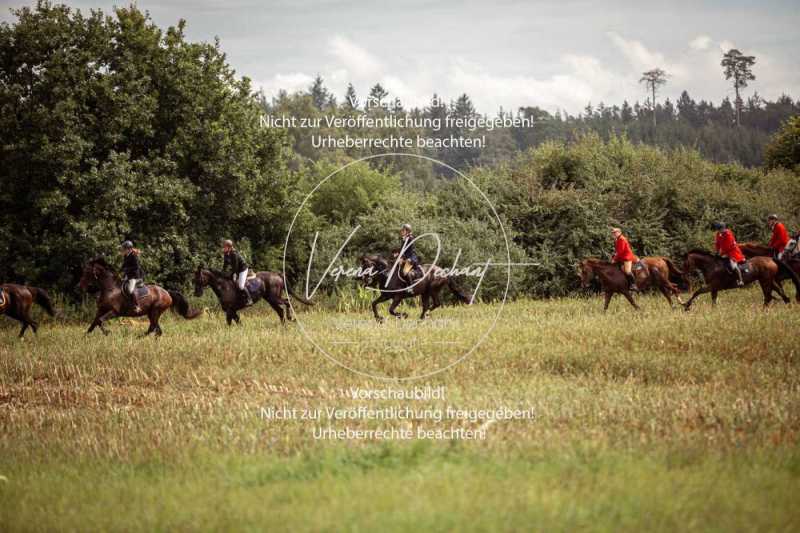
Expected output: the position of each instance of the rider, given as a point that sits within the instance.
(726, 246)
(235, 266)
(408, 253)
(132, 273)
(623, 255)
(780, 237)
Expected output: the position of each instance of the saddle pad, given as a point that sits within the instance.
(252, 285)
(638, 265)
(745, 267)
(141, 291)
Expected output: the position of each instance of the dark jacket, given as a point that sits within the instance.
(131, 267)
(233, 262)
(410, 253)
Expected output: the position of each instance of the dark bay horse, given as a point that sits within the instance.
(267, 285)
(18, 302)
(376, 270)
(717, 278)
(99, 276)
(658, 272)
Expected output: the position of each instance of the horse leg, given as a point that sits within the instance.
(779, 289)
(426, 301)
(666, 292)
(766, 288)
(607, 301)
(154, 315)
(714, 295)
(99, 318)
(627, 295)
(698, 292)
(380, 299)
(395, 302)
(237, 319)
(276, 305)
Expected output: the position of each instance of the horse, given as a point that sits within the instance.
(717, 278)
(99, 276)
(755, 249)
(376, 271)
(17, 303)
(657, 272)
(266, 285)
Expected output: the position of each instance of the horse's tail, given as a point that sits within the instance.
(41, 297)
(786, 269)
(677, 273)
(182, 307)
(295, 295)
(460, 296)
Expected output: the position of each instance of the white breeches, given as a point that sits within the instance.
(130, 285)
(241, 278)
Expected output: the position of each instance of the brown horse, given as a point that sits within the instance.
(755, 249)
(267, 285)
(657, 273)
(17, 303)
(111, 302)
(376, 271)
(717, 278)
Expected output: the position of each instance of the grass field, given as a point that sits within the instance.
(661, 420)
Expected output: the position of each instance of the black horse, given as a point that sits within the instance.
(265, 285)
(376, 270)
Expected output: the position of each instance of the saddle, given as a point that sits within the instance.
(638, 265)
(252, 284)
(744, 267)
(407, 268)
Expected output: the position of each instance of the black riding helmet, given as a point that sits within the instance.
(718, 226)
(126, 245)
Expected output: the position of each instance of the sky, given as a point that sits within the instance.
(556, 55)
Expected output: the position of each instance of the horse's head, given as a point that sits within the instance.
(201, 281)
(370, 267)
(585, 273)
(697, 259)
(93, 272)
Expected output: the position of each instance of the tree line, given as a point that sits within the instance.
(114, 128)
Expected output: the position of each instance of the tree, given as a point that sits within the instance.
(319, 93)
(116, 129)
(784, 148)
(653, 79)
(738, 67)
(350, 98)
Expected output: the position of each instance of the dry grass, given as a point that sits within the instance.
(701, 409)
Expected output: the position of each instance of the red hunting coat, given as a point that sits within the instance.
(727, 247)
(780, 237)
(622, 251)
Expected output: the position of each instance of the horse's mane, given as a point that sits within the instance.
(596, 261)
(699, 251)
(101, 261)
(376, 258)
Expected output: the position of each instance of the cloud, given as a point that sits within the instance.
(642, 58)
(293, 82)
(701, 42)
(354, 58)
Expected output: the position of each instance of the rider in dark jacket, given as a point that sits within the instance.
(409, 254)
(235, 266)
(132, 272)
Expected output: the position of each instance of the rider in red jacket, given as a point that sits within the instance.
(623, 255)
(726, 246)
(780, 237)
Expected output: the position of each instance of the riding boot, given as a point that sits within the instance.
(632, 282)
(248, 300)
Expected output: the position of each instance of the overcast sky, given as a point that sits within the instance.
(557, 55)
